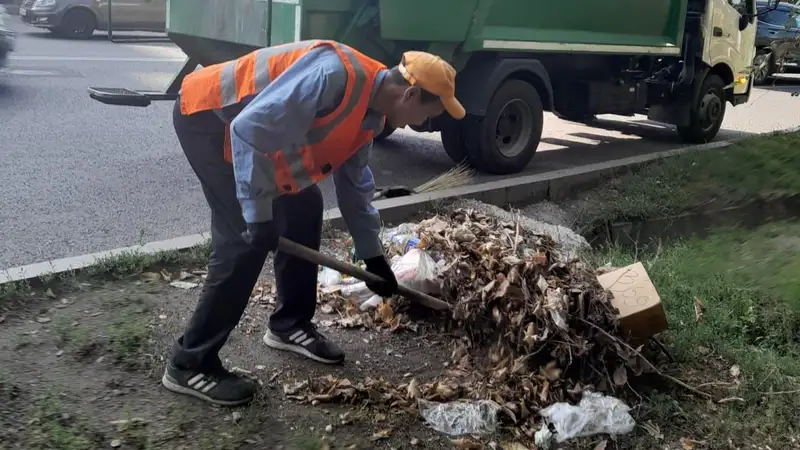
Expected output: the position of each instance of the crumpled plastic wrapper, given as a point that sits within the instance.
(595, 414)
(460, 418)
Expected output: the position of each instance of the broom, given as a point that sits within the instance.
(457, 176)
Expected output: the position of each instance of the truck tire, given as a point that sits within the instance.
(707, 112)
(505, 139)
(78, 23)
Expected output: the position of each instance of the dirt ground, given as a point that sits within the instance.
(81, 370)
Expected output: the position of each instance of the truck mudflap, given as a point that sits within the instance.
(128, 97)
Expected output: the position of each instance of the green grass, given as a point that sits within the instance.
(118, 267)
(756, 167)
(54, 428)
(749, 284)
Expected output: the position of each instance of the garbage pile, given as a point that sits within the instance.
(535, 329)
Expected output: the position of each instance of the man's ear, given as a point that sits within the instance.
(410, 93)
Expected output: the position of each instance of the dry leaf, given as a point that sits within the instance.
(601, 445)
(150, 277)
(735, 371)
(698, 310)
(621, 376)
(512, 446)
(466, 444)
(49, 293)
(382, 434)
(413, 389)
(653, 430)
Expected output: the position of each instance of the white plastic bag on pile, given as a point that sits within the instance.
(417, 270)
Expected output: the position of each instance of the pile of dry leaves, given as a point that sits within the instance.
(533, 331)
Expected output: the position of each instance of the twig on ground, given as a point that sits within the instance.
(795, 391)
(647, 361)
(767, 377)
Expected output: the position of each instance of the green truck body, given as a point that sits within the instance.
(676, 61)
(385, 28)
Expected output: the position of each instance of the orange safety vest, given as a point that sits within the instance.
(332, 138)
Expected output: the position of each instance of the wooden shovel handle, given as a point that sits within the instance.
(305, 253)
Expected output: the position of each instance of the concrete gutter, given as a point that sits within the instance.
(556, 185)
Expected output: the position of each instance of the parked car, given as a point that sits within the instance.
(777, 39)
(78, 19)
(6, 36)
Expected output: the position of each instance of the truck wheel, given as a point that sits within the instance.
(763, 68)
(707, 113)
(78, 23)
(505, 139)
(453, 140)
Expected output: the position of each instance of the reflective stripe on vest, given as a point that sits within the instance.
(331, 140)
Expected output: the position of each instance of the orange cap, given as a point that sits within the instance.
(435, 75)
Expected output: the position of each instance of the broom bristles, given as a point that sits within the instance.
(457, 176)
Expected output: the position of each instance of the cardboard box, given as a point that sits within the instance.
(641, 314)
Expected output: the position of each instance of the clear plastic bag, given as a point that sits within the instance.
(595, 414)
(460, 418)
(417, 270)
(329, 277)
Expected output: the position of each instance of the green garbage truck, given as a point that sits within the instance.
(677, 61)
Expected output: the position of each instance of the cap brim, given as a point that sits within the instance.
(453, 107)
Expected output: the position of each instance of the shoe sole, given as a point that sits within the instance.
(279, 345)
(171, 385)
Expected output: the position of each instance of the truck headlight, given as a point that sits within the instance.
(44, 3)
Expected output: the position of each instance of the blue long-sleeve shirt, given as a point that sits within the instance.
(279, 118)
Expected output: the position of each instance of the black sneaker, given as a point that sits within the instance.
(306, 341)
(219, 387)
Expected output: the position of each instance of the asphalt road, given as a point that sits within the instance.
(80, 176)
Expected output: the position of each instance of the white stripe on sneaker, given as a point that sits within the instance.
(195, 379)
(209, 387)
(307, 341)
(297, 334)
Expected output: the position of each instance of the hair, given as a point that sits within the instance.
(397, 78)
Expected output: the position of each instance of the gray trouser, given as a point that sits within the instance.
(234, 266)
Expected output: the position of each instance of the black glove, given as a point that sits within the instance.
(380, 267)
(262, 236)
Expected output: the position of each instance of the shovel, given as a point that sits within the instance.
(307, 254)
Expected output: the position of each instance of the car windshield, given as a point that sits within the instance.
(789, 18)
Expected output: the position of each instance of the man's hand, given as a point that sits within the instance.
(380, 266)
(262, 236)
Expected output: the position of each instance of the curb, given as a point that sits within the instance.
(556, 185)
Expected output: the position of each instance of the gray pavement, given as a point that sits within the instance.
(81, 176)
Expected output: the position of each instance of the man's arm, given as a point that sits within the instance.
(276, 118)
(355, 187)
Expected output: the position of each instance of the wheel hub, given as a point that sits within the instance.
(710, 109)
(513, 128)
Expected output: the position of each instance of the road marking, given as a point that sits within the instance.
(92, 59)
(28, 72)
